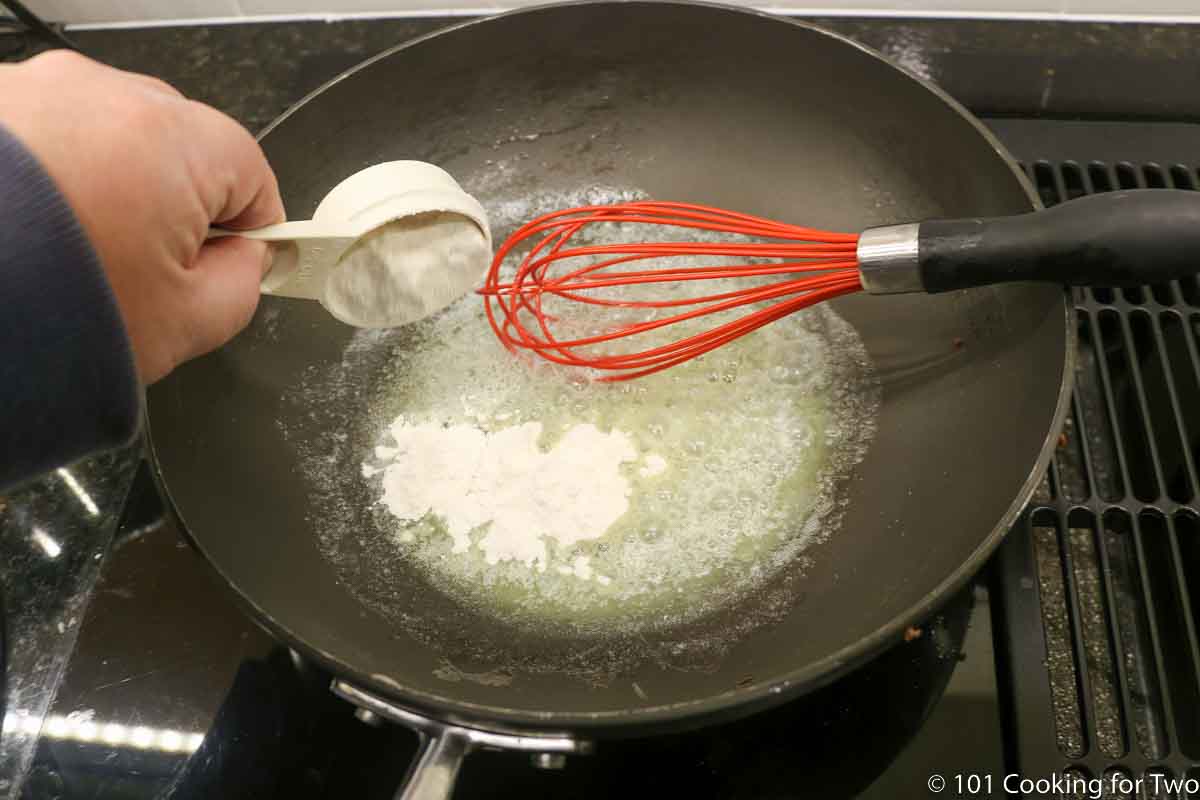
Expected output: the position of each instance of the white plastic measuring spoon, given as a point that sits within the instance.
(303, 254)
(306, 253)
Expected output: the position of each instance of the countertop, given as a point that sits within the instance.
(995, 68)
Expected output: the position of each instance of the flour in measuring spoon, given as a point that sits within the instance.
(514, 496)
(407, 269)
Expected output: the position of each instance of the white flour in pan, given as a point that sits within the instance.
(534, 494)
(505, 483)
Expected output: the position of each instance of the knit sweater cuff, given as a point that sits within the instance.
(68, 383)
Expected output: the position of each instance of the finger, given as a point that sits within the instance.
(151, 82)
(60, 61)
(225, 291)
(239, 188)
(65, 62)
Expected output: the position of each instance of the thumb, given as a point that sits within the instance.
(227, 274)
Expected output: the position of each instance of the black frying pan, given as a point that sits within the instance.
(690, 102)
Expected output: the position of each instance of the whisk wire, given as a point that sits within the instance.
(825, 261)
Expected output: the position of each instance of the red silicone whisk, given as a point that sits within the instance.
(1125, 238)
(812, 266)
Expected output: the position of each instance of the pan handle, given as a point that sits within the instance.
(1126, 238)
(435, 771)
(444, 745)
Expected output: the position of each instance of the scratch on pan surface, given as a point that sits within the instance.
(449, 672)
(1048, 89)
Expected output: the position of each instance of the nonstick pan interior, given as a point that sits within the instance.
(686, 102)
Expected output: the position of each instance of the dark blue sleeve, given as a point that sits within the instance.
(68, 385)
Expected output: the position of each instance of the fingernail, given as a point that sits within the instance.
(268, 259)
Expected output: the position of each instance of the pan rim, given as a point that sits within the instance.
(736, 702)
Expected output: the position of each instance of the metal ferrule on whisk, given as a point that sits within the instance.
(888, 260)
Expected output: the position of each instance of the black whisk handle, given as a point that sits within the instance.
(1126, 238)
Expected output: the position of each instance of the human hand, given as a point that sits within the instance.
(147, 171)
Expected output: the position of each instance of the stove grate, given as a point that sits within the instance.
(1096, 595)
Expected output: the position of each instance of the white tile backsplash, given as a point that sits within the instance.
(131, 10)
(359, 6)
(1147, 7)
(138, 11)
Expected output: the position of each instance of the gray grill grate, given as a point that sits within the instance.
(1097, 592)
